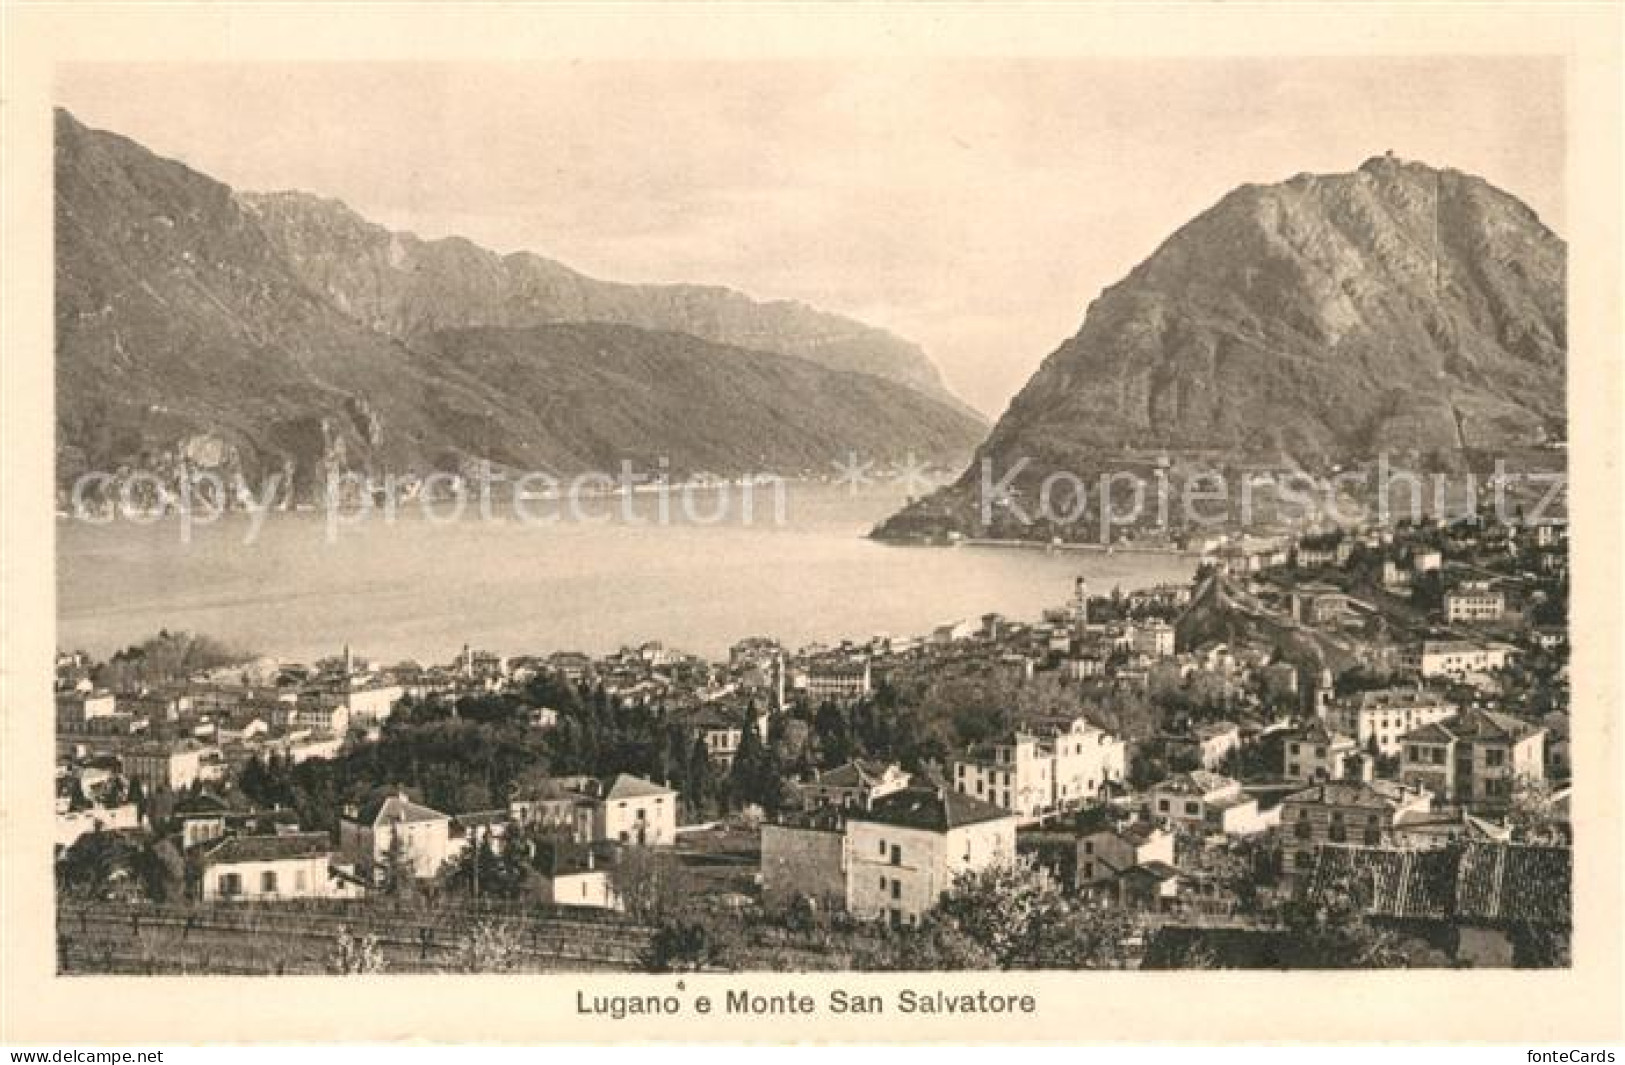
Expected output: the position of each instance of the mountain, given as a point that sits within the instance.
(405, 287)
(187, 339)
(1310, 324)
(579, 396)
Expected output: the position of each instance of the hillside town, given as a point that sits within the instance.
(1340, 748)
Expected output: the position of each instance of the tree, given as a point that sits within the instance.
(483, 870)
(689, 945)
(1331, 928)
(934, 947)
(1534, 813)
(355, 955)
(162, 870)
(491, 946)
(1015, 911)
(649, 882)
(1008, 907)
(754, 777)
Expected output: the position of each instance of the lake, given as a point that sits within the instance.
(421, 586)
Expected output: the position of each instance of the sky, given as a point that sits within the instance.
(973, 206)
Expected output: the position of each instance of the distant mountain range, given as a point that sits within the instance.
(202, 329)
(1308, 324)
(406, 287)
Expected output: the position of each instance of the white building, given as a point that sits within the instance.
(1387, 714)
(1459, 658)
(1315, 753)
(269, 868)
(1035, 773)
(1474, 603)
(1206, 801)
(1154, 638)
(904, 852)
(165, 766)
(632, 810)
(418, 837)
(841, 681)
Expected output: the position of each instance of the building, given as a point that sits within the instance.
(1482, 895)
(855, 784)
(1168, 597)
(1324, 551)
(1343, 812)
(839, 681)
(1316, 753)
(954, 632)
(75, 709)
(294, 865)
(572, 874)
(394, 830)
(1085, 759)
(1205, 802)
(632, 810)
(1318, 604)
(1430, 829)
(321, 713)
(904, 852)
(1476, 602)
(1474, 759)
(1154, 638)
(1385, 715)
(1034, 773)
(1456, 659)
(71, 824)
(1210, 744)
(165, 766)
(719, 730)
(1011, 773)
(371, 704)
(804, 857)
(1104, 856)
(202, 819)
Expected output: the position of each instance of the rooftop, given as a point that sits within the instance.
(282, 847)
(1476, 883)
(396, 808)
(935, 810)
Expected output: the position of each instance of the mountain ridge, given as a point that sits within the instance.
(1312, 323)
(404, 285)
(186, 341)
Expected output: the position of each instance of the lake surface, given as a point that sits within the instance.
(419, 587)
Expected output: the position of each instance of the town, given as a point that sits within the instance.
(1347, 747)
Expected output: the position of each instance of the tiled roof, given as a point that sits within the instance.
(1392, 698)
(627, 786)
(396, 808)
(1196, 782)
(1160, 870)
(1138, 834)
(270, 848)
(1515, 884)
(1434, 732)
(1476, 883)
(204, 804)
(854, 774)
(1488, 725)
(1485, 725)
(1343, 793)
(936, 810)
(1317, 732)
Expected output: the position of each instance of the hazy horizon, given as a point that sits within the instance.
(975, 207)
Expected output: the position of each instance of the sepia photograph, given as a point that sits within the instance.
(637, 518)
